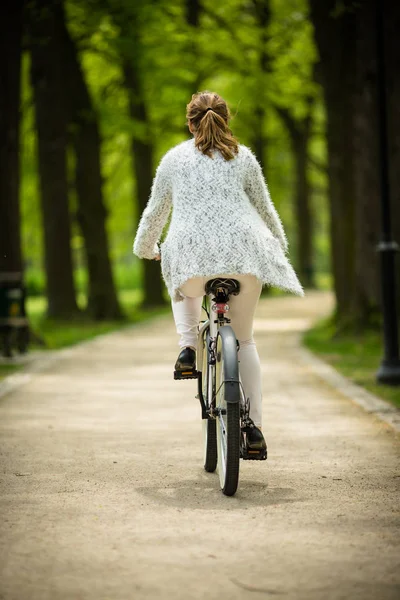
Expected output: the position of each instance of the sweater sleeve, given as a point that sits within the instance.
(257, 190)
(156, 213)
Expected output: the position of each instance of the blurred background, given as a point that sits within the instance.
(94, 92)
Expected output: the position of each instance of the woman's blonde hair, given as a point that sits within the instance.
(209, 115)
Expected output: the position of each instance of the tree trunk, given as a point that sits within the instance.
(366, 168)
(193, 8)
(10, 72)
(262, 9)
(392, 57)
(258, 142)
(335, 37)
(299, 133)
(51, 122)
(102, 297)
(192, 53)
(142, 153)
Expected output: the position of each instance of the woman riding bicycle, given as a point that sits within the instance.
(223, 224)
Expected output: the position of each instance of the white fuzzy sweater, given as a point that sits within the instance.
(223, 220)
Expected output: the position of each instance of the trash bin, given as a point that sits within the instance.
(14, 330)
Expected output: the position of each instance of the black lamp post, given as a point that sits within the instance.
(389, 370)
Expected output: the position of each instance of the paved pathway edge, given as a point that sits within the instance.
(39, 360)
(385, 411)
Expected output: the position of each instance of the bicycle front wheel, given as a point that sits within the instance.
(227, 402)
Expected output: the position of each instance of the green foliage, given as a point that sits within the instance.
(175, 60)
(293, 53)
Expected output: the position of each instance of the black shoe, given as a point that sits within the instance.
(255, 447)
(185, 366)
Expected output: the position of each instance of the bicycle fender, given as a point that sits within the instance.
(231, 364)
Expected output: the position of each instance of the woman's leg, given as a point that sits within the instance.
(250, 373)
(242, 309)
(188, 312)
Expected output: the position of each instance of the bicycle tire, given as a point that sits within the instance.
(228, 411)
(210, 445)
(209, 425)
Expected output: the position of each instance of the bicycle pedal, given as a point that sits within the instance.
(188, 374)
(248, 454)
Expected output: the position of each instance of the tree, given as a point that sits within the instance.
(293, 96)
(102, 296)
(299, 132)
(51, 115)
(142, 145)
(392, 56)
(142, 158)
(366, 167)
(10, 69)
(335, 37)
(262, 10)
(193, 52)
(193, 14)
(346, 37)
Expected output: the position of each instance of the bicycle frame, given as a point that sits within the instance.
(215, 327)
(200, 350)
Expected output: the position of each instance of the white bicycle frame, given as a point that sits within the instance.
(213, 325)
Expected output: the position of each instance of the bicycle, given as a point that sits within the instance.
(224, 407)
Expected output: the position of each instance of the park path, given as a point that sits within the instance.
(103, 495)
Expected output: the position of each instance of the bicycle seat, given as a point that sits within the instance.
(222, 286)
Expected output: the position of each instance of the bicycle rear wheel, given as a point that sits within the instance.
(227, 400)
(209, 425)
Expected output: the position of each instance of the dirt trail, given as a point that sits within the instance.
(103, 495)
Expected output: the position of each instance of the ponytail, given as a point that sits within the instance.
(209, 115)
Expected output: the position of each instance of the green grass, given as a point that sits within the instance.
(356, 357)
(58, 334)
(52, 335)
(8, 370)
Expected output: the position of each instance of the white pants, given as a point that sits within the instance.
(187, 315)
